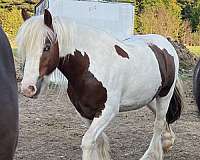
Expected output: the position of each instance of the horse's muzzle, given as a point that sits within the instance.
(32, 91)
(29, 91)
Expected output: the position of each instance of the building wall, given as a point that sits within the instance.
(115, 18)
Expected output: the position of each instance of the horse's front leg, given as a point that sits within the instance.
(102, 142)
(89, 145)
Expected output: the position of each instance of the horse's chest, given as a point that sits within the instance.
(88, 97)
(85, 92)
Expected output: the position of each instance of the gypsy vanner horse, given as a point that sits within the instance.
(8, 101)
(105, 76)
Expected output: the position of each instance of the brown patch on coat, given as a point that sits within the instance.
(49, 59)
(121, 52)
(167, 69)
(85, 92)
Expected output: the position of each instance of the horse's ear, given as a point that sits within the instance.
(25, 15)
(47, 18)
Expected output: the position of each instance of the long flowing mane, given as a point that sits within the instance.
(33, 32)
(31, 39)
(31, 36)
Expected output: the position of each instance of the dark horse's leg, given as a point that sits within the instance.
(196, 84)
(8, 101)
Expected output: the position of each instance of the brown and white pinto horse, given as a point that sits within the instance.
(105, 76)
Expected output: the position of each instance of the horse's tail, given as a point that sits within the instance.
(196, 84)
(176, 104)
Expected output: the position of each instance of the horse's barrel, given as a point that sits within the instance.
(8, 101)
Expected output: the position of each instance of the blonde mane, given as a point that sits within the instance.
(32, 34)
(31, 39)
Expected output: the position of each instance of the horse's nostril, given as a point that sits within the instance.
(31, 88)
(29, 91)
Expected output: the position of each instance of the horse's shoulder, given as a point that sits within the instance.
(86, 92)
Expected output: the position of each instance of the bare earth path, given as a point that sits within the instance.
(51, 130)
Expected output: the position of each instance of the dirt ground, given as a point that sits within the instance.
(51, 130)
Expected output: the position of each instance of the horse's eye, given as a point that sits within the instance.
(47, 48)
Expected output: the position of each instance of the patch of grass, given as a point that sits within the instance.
(195, 50)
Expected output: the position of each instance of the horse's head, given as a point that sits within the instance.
(38, 46)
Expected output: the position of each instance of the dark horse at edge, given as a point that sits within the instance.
(196, 84)
(8, 101)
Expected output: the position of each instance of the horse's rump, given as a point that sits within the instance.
(167, 69)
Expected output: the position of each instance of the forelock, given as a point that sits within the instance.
(31, 36)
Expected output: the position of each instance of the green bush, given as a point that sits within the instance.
(10, 15)
(160, 21)
(10, 20)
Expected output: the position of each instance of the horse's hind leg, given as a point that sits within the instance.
(168, 136)
(152, 106)
(155, 151)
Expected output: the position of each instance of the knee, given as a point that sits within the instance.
(88, 141)
(159, 125)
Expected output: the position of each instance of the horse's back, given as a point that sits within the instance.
(158, 40)
(144, 74)
(140, 69)
(8, 101)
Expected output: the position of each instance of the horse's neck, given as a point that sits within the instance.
(92, 37)
(84, 38)
(65, 30)
(74, 67)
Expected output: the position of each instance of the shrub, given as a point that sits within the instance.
(188, 37)
(10, 20)
(160, 21)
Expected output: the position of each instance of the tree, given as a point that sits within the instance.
(10, 20)
(160, 21)
(195, 15)
(158, 16)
